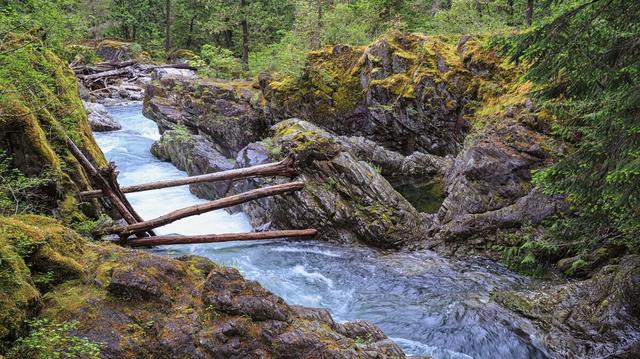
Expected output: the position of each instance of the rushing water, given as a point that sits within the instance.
(428, 304)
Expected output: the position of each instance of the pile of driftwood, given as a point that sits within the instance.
(106, 180)
(115, 76)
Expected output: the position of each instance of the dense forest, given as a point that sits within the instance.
(551, 85)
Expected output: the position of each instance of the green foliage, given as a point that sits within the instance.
(525, 251)
(19, 193)
(216, 62)
(585, 58)
(48, 340)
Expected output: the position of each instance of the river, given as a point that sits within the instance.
(428, 304)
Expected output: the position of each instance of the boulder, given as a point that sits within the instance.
(346, 199)
(594, 318)
(220, 111)
(99, 118)
(195, 155)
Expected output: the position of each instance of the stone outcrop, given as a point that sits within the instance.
(222, 112)
(594, 318)
(346, 199)
(99, 118)
(195, 155)
(127, 302)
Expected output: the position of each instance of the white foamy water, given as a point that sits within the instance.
(428, 304)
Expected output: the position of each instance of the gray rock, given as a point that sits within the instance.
(195, 155)
(160, 73)
(595, 318)
(99, 118)
(347, 200)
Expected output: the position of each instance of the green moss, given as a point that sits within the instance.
(398, 84)
(41, 119)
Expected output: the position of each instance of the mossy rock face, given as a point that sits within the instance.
(407, 92)
(34, 126)
(346, 199)
(37, 253)
(114, 51)
(127, 302)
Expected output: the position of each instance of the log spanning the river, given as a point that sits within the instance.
(203, 208)
(282, 168)
(227, 237)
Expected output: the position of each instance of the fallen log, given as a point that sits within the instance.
(202, 208)
(176, 66)
(226, 237)
(282, 168)
(100, 182)
(111, 73)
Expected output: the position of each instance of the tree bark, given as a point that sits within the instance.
(434, 7)
(282, 168)
(104, 186)
(245, 36)
(212, 238)
(190, 36)
(478, 7)
(167, 28)
(510, 7)
(528, 18)
(204, 208)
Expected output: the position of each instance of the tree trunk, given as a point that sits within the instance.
(434, 7)
(204, 208)
(167, 28)
(245, 37)
(190, 36)
(478, 7)
(510, 7)
(283, 168)
(226, 237)
(528, 18)
(317, 31)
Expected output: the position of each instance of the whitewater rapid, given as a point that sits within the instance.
(428, 304)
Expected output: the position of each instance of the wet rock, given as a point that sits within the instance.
(195, 155)
(99, 118)
(114, 51)
(129, 303)
(221, 112)
(594, 318)
(346, 199)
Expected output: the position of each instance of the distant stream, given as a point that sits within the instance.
(428, 304)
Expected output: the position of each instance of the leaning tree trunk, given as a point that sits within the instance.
(434, 7)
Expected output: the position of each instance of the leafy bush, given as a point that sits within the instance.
(217, 62)
(49, 340)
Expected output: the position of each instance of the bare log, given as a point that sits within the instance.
(226, 237)
(111, 73)
(176, 66)
(282, 168)
(101, 182)
(203, 208)
(111, 176)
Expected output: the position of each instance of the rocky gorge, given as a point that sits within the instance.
(411, 142)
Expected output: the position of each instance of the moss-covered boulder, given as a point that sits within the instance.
(127, 303)
(39, 109)
(222, 111)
